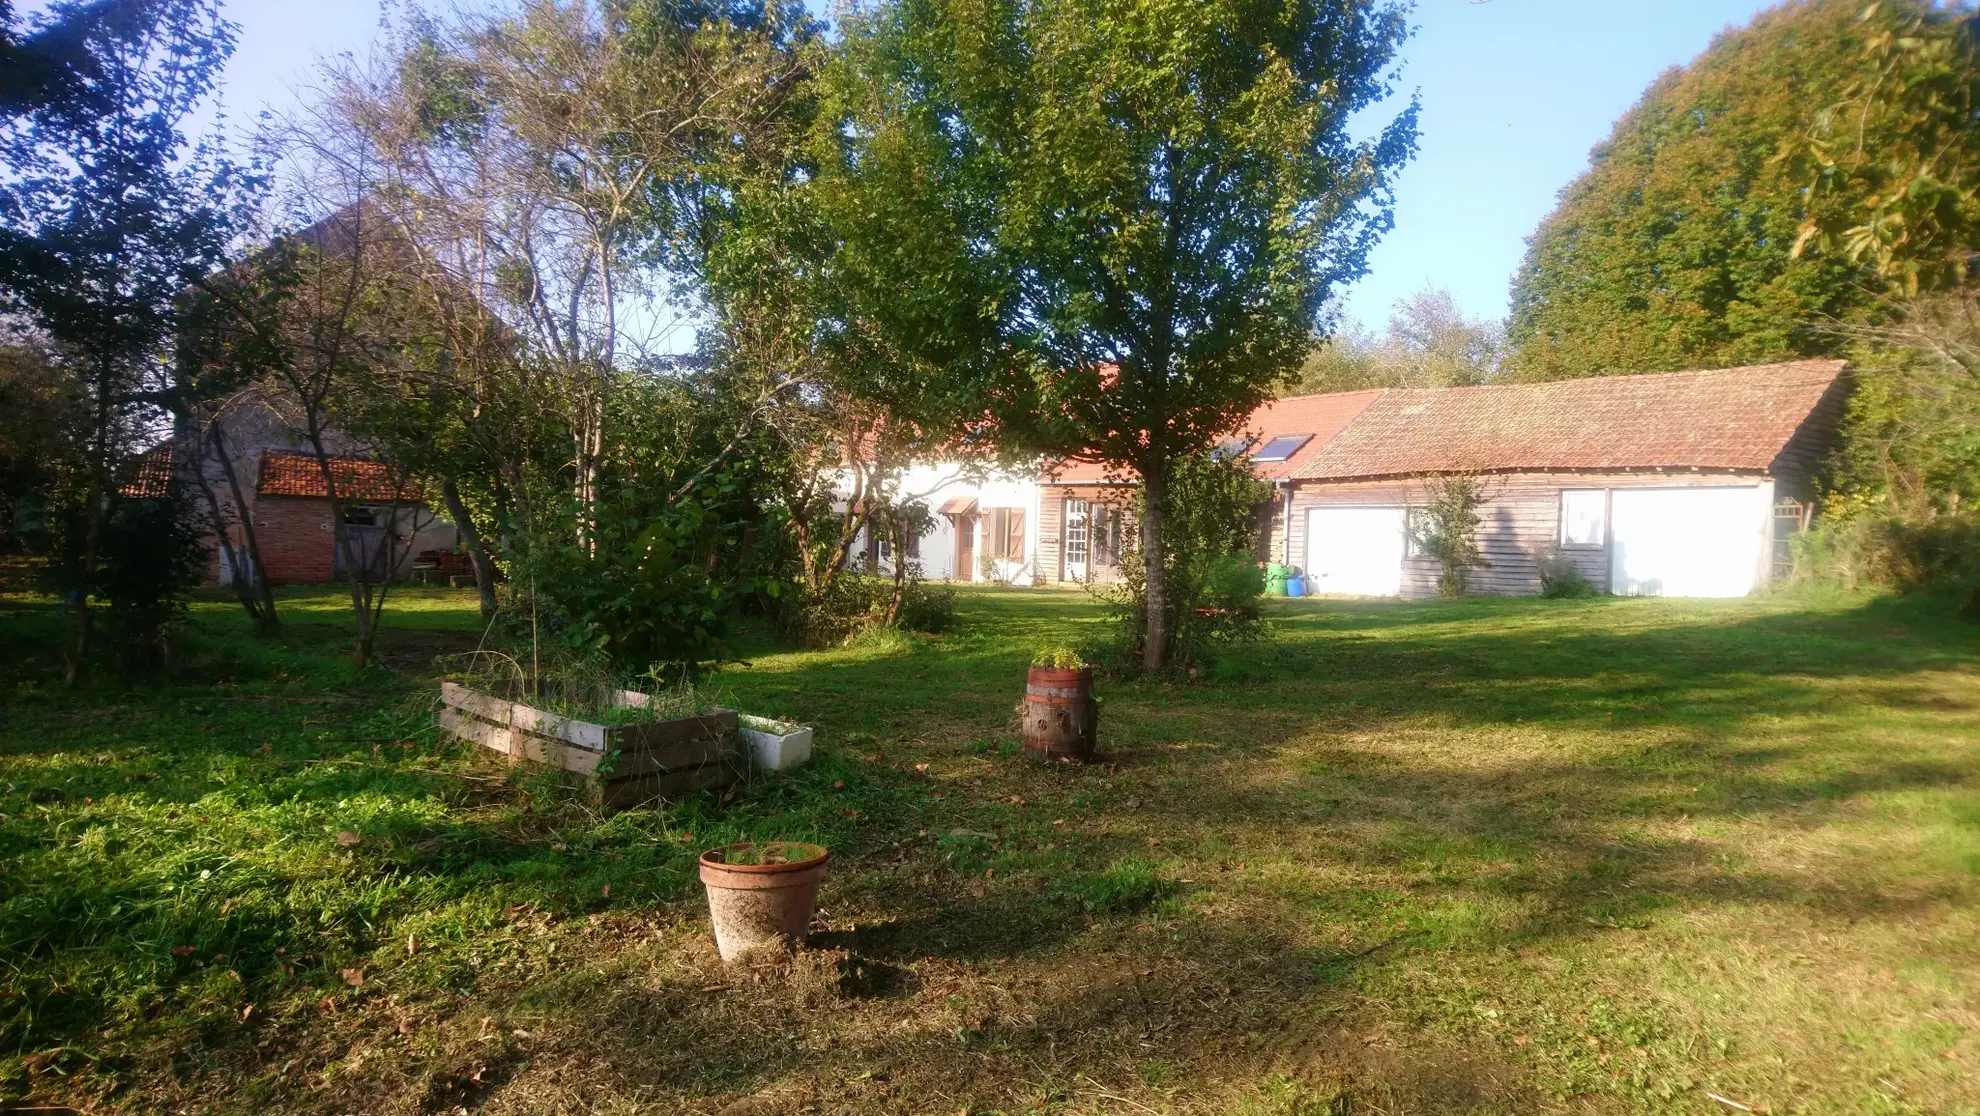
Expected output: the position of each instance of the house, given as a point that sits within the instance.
(1666, 484)
(1083, 507)
(1678, 484)
(281, 488)
(984, 525)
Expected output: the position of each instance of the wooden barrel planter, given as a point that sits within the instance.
(626, 764)
(1061, 717)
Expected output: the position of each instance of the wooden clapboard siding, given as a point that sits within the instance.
(1521, 520)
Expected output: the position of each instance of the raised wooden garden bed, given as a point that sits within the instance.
(628, 763)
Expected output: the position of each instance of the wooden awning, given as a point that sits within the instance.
(960, 505)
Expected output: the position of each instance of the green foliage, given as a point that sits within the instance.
(1445, 527)
(1902, 143)
(1677, 248)
(1109, 227)
(1562, 579)
(1059, 658)
(1214, 578)
(1938, 554)
(1911, 435)
(153, 558)
(1429, 343)
(681, 544)
(1127, 885)
(854, 603)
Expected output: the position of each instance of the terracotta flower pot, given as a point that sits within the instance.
(762, 894)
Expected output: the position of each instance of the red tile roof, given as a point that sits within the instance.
(297, 474)
(1734, 419)
(1321, 416)
(149, 474)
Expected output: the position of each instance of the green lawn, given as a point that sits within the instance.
(1496, 855)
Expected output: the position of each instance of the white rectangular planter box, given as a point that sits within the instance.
(776, 745)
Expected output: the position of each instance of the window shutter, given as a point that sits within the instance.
(1014, 542)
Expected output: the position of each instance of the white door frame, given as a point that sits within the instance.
(1390, 583)
(1076, 527)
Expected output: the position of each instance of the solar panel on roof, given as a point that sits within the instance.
(1281, 447)
(1229, 448)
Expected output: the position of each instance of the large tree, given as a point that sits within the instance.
(1695, 237)
(1106, 227)
(107, 214)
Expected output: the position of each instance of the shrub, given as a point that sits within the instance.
(1561, 578)
(149, 560)
(1445, 528)
(1214, 580)
(856, 602)
(1925, 554)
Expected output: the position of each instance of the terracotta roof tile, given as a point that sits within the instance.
(297, 474)
(1737, 418)
(150, 474)
(1321, 416)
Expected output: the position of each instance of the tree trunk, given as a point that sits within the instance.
(98, 496)
(484, 566)
(1154, 494)
(253, 590)
(899, 538)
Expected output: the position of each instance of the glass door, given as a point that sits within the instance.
(1078, 553)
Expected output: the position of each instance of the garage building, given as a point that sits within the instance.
(1672, 484)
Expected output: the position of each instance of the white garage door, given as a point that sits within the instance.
(1686, 542)
(1355, 551)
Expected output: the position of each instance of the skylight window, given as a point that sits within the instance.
(1281, 447)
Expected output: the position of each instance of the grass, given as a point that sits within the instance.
(1492, 855)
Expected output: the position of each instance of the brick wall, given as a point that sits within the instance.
(296, 542)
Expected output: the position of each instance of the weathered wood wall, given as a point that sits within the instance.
(1522, 519)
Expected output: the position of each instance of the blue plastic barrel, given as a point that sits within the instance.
(1295, 586)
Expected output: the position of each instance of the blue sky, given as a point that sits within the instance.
(1515, 92)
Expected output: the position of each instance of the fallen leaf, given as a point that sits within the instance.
(184, 951)
(247, 1011)
(715, 988)
(353, 977)
(921, 767)
(560, 847)
(838, 784)
(346, 838)
(412, 945)
(607, 893)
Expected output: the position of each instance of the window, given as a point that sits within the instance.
(1003, 533)
(1230, 447)
(358, 515)
(1584, 516)
(1281, 447)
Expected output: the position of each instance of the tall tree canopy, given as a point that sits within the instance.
(108, 214)
(1748, 198)
(1108, 226)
